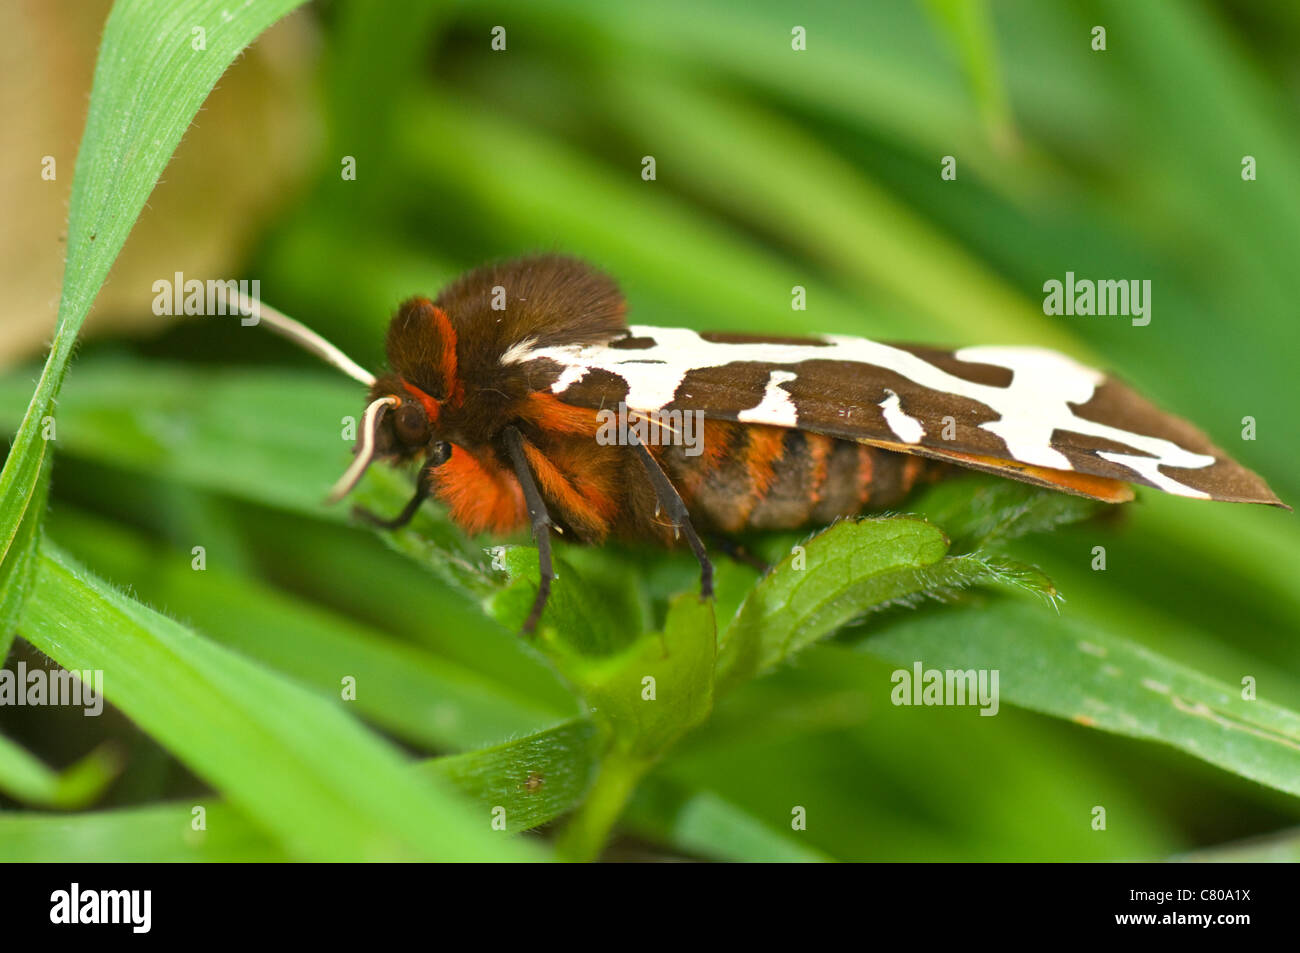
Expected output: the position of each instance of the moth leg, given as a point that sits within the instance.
(740, 553)
(408, 511)
(541, 525)
(671, 501)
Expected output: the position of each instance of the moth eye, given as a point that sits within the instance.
(411, 424)
(439, 453)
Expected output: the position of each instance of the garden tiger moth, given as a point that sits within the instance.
(503, 385)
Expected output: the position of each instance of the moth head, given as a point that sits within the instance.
(400, 423)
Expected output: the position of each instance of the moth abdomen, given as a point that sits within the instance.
(769, 478)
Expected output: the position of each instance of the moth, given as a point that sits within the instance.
(502, 387)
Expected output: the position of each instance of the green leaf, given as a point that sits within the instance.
(149, 82)
(531, 780)
(209, 428)
(589, 615)
(820, 203)
(158, 833)
(1280, 848)
(980, 511)
(294, 763)
(708, 825)
(535, 779)
(19, 567)
(882, 789)
(969, 26)
(836, 575)
(644, 699)
(418, 696)
(840, 574)
(430, 539)
(653, 692)
(1062, 667)
(26, 779)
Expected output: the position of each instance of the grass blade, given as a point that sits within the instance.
(26, 779)
(294, 763)
(428, 701)
(1060, 667)
(533, 779)
(158, 61)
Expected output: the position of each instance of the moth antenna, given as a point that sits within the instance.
(304, 337)
(366, 454)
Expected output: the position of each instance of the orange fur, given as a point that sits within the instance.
(447, 362)
(481, 495)
(578, 488)
(766, 447)
(819, 448)
(713, 446)
(912, 468)
(428, 403)
(866, 473)
(551, 416)
(717, 436)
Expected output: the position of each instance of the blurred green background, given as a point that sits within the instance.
(774, 168)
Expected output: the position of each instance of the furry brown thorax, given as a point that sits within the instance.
(446, 355)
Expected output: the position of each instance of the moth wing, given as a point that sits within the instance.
(1029, 414)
